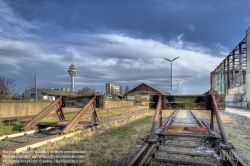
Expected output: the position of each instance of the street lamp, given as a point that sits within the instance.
(171, 67)
(181, 90)
(178, 85)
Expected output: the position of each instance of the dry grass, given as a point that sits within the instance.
(104, 146)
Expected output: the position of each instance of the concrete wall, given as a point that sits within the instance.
(237, 104)
(27, 108)
(237, 90)
(13, 109)
(247, 96)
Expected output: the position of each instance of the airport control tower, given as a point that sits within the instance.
(72, 72)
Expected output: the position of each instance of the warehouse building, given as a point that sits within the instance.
(142, 93)
(232, 75)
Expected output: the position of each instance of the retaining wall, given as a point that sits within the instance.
(27, 108)
(13, 109)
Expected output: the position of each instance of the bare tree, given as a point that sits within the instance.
(88, 91)
(7, 88)
(121, 90)
(126, 89)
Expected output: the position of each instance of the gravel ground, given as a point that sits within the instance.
(237, 129)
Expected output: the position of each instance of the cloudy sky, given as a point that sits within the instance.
(118, 41)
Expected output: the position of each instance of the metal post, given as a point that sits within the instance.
(36, 86)
(217, 114)
(171, 68)
(171, 76)
(181, 90)
(156, 118)
(178, 85)
(178, 88)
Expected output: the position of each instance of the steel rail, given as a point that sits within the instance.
(25, 146)
(197, 120)
(139, 155)
(171, 118)
(214, 146)
(147, 155)
(156, 117)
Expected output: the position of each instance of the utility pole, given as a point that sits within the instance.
(171, 67)
(36, 86)
(178, 85)
(181, 90)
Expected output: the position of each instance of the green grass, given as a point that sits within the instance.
(11, 126)
(242, 145)
(186, 103)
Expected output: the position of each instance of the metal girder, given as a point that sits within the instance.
(218, 118)
(156, 116)
(231, 72)
(55, 105)
(91, 105)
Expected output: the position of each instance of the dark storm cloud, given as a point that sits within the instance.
(119, 42)
(144, 19)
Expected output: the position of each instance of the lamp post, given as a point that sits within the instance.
(171, 67)
(178, 85)
(181, 90)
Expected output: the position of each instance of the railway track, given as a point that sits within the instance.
(182, 143)
(20, 142)
(183, 139)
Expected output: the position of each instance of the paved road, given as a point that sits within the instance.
(239, 111)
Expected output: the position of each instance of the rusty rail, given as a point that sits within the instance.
(218, 118)
(156, 117)
(55, 105)
(185, 127)
(139, 155)
(78, 117)
(58, 106)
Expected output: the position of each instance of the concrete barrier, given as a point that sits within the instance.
(24, 108)
(27, 108)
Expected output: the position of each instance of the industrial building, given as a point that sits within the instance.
(46, 94)
(143, 92)
(232, 77)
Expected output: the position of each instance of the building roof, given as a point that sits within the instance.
(143, 84)
(57, 92)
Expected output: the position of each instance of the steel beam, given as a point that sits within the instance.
(156, 117)
(218, 118)
(55, 105)
(78, 117)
